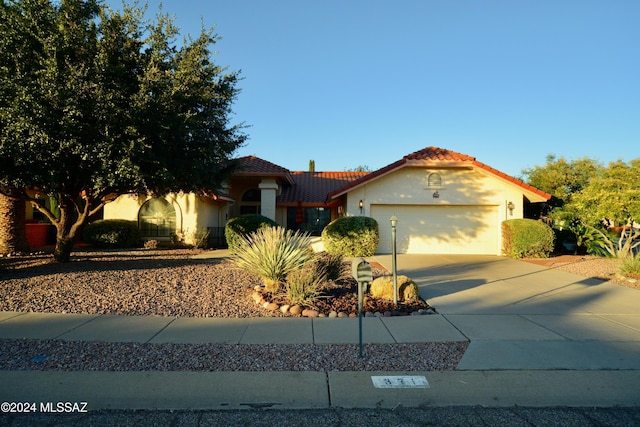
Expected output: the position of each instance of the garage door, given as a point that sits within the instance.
(439, 229)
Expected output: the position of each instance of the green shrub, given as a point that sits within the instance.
(527, 238)
(113, 233)
(241, 226)
(351, 236)
(272, 253)
(382, 287)
(593, 241)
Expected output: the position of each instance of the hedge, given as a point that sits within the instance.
(527, 238)
(244, 225)
(113, 233)
(351, 236)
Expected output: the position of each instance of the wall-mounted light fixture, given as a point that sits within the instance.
(361, 205)
(436, 195)
(511, 207)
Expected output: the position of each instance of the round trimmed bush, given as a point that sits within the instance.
(527, 238)
(241, 226)
(113, 233)
(351, 236)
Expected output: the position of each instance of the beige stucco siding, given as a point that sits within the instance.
(124, 207)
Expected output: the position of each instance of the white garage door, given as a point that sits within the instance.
(439, 229)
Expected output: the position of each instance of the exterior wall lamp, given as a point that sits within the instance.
(361, 205)
(511, 207)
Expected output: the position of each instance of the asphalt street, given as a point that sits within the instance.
(443, 416)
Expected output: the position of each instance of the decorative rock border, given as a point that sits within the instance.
(301, 311)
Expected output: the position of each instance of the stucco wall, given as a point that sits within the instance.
(192, 213)
(408, 186)
(124, 207)
(477, 199)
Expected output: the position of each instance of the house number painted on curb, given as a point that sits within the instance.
(399, 382)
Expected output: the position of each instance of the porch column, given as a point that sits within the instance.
(268, 192)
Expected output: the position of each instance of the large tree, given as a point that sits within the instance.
(561, 177)
(612, 199)
(96, 103)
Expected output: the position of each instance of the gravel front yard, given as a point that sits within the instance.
(589, 266)
(171, 283)
(161, 282)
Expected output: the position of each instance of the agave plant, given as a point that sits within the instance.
(273, 252)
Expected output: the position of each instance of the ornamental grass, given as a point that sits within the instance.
(630, 266)
(305, 285)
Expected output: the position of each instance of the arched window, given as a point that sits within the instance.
(157, 218)
(434, 180)
(250, 203)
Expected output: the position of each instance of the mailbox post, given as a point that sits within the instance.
(394, 222)
(363, 274)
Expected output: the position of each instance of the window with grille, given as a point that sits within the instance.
(157, 218)
(250, 202)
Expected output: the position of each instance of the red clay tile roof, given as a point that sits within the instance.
(434, 156)
(438, 155)
(311, 188)
(220, 196)
(255, 166)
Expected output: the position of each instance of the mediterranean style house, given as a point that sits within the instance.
(445, 202)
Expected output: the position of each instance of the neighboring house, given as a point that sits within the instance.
(445, 202)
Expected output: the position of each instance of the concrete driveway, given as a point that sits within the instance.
(519, 315)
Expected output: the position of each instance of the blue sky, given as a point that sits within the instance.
(365, 82)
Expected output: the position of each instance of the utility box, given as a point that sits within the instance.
(361, 270)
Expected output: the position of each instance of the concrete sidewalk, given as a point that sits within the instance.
(538, 337)
(262, 330)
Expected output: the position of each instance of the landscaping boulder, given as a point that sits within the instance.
(382, 287)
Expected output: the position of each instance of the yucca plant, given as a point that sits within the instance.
(273, 252)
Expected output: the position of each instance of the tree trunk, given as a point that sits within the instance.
(62, 251)
(13, 236)
(66, 230)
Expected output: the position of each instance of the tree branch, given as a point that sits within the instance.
(37, 204)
